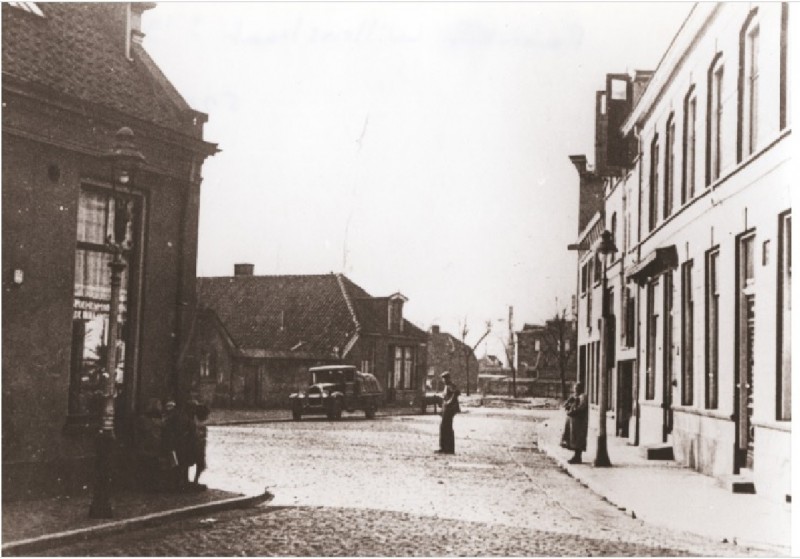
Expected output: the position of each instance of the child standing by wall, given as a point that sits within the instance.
(201, 413)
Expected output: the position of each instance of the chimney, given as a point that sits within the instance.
(243, 269)
(134, 35)
(435, 329)
(640, 80)
(600, 132)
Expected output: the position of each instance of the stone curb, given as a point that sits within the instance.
(32, 545)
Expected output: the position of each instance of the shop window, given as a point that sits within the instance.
(101, 216)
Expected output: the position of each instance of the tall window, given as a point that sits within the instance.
(629, 331)
(712, 329)
(582, 365)
(589, 293)
(689, 146)
(715, 107)
(592, 376)
(784, 81)
(669, 166)
(99, 215)
(614, 227)
(654, 166)
(748, 86)
(403, 367)
(785, 317)
(652, 332)
(687, 335)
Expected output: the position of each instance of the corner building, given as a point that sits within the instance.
(73, 75)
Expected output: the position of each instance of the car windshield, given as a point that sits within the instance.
(318, 377)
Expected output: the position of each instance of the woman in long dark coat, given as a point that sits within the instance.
(578, 413)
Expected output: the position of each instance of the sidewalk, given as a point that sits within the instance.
(31, 526)
(667, 494)
(34, 525)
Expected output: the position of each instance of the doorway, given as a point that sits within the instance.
(745, 356)
(668, 376)
(624, 397)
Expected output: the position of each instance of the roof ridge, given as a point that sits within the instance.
(348, 302)
(268, 276)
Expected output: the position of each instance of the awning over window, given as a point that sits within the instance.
(657, 262)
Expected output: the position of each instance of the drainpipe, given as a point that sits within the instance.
(638, 300)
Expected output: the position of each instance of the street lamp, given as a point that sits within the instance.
(125, 160)
(605, 248)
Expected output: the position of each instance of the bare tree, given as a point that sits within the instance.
(508, 346)
(559, 343)
(464, 332)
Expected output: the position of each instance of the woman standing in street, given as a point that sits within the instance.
(578, 413)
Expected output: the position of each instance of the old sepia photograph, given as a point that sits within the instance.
(397, 278)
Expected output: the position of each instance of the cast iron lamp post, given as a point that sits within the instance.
(605, 248)
(125, 160)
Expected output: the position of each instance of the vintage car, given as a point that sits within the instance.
(336, 388)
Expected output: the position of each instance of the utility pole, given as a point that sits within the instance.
(511, 351)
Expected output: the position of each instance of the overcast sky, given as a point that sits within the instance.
(416, 147)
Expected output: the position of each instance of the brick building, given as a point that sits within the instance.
(546, 354)
(73, 75)
(448, 353)
(256, 337)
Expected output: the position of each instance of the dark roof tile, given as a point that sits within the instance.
(77, 49)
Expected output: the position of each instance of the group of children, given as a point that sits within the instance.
(169, 443)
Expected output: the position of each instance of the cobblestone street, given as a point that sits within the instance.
(374, 488)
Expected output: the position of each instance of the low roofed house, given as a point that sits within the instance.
(257, 336)
(75, 75)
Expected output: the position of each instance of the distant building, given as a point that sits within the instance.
(545, 354)
(697, 198)
(256, 337)
(74, 75)
(448, 353)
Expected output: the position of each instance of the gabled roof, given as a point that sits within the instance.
(78, 50)
(373, 315)
(280, 313)
(291, 316)
(441, 343)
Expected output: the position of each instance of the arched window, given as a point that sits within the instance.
(654, 178)
(749, 40)
(784, 93)
(714, 120)
(689, 145)
(669, 165)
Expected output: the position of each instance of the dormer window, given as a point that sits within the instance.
(396, 312)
